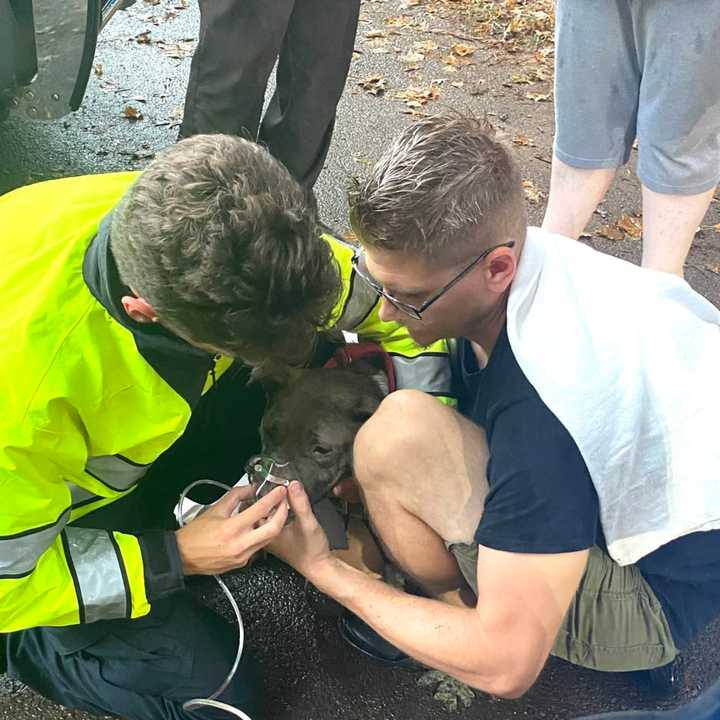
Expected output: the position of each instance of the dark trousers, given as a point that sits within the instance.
(240, 40)
(145, 669)
(704, 707)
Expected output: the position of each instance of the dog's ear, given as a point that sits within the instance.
(368, 403)
(274, 376)
(374, 369)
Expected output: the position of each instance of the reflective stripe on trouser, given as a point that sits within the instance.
(19, 554)
(427, 372)
(98, 573)
(615, 622)
(143, 669)
(115, 471)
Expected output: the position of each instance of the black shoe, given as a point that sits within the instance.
(663, 680)
(362, 637)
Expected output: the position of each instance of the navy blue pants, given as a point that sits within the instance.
(142, 669)
(704, 707)
(145, 669)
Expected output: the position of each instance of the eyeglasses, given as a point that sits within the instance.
(358, 264)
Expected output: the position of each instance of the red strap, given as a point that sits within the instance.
(346, 355)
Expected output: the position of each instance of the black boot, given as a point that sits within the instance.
(362, 637)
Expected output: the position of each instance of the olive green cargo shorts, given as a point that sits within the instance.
(614, 624)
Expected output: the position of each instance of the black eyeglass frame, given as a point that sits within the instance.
(409, 309)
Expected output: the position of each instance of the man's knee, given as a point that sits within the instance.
(392, 436)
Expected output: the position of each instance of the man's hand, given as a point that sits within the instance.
(302, 544)
(217, 541)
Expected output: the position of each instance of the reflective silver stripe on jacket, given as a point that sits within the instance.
(358, 304)
(99, 574)
(115, 471)
(81, 496)
(19, 554)
(429, 373)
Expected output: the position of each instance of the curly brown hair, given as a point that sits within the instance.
(224, 244)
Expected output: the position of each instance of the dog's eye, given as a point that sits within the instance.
(321, 451)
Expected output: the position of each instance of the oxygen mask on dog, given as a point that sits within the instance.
(266, 473)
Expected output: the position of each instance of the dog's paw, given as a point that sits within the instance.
(449, 692)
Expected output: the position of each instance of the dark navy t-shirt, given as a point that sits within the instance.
(542, 500)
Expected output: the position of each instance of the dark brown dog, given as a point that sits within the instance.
(312, 419)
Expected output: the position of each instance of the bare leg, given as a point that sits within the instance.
(574, 195)
(669, 224)
(421, 469)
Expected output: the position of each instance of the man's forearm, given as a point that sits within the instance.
(447, 638)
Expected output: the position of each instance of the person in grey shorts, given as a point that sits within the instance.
(651, 70)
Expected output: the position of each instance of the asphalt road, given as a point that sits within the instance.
(308, 673)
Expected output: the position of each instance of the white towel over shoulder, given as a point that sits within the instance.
(629, 361)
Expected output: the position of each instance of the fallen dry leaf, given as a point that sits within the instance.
(413, 57)
(375, 34)
(426, 46)
(541, 56)
(143, 38)
(611, 232)
(521, 80)
(714, 269)
(631, 225)
(416, 97)
(538, 97)
(400, 21)
(374, 84)
(716, 228)
(532, 193)
(98, 69)
(518, 24)
(178, 50)
(523, 140)
(462, 50)
(130, 112)
(453, 62)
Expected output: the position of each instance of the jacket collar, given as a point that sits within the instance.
(183, 366)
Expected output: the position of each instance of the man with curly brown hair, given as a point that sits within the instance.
(134, 305)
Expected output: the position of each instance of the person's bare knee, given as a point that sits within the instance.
(426, 458)
(387, 439)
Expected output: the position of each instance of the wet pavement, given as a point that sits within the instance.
(308, 674)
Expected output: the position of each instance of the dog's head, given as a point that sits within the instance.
(312, 419)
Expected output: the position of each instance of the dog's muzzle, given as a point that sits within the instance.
(266, 473)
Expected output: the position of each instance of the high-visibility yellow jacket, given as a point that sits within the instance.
(90, 399)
